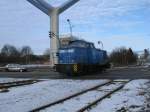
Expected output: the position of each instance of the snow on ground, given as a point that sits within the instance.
(130, 99)
(76, 103)
(6, 80)
(25, 98)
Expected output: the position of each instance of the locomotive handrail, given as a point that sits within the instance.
(100, 42)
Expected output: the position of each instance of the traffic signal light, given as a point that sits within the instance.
(50, 34)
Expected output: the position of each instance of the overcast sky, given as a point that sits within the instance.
(115, 22)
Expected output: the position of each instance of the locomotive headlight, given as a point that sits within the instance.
(71, 50)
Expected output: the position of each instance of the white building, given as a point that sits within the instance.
(65, 39)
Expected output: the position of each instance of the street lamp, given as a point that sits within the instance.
(70, 27)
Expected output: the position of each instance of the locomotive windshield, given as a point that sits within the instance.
(81, 43)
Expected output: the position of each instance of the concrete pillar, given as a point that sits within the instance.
(54, 41)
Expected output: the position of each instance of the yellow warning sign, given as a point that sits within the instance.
(75, 67)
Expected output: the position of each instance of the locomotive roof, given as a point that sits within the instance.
(79, 43)
(83, 41)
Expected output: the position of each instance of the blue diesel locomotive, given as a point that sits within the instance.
(80, 57)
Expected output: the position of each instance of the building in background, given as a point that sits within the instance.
(66, 39)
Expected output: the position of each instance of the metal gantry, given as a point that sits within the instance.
(53, 13)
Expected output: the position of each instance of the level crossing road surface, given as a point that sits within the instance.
(116, 73)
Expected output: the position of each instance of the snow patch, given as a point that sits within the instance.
(26, 98)
(129, 99)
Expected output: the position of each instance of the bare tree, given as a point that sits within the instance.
(123, 56)
(26, 52)
(11, 54)
(9, 50)
(46, 54)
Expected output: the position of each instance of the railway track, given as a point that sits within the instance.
(88, 105)
(16, 83)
